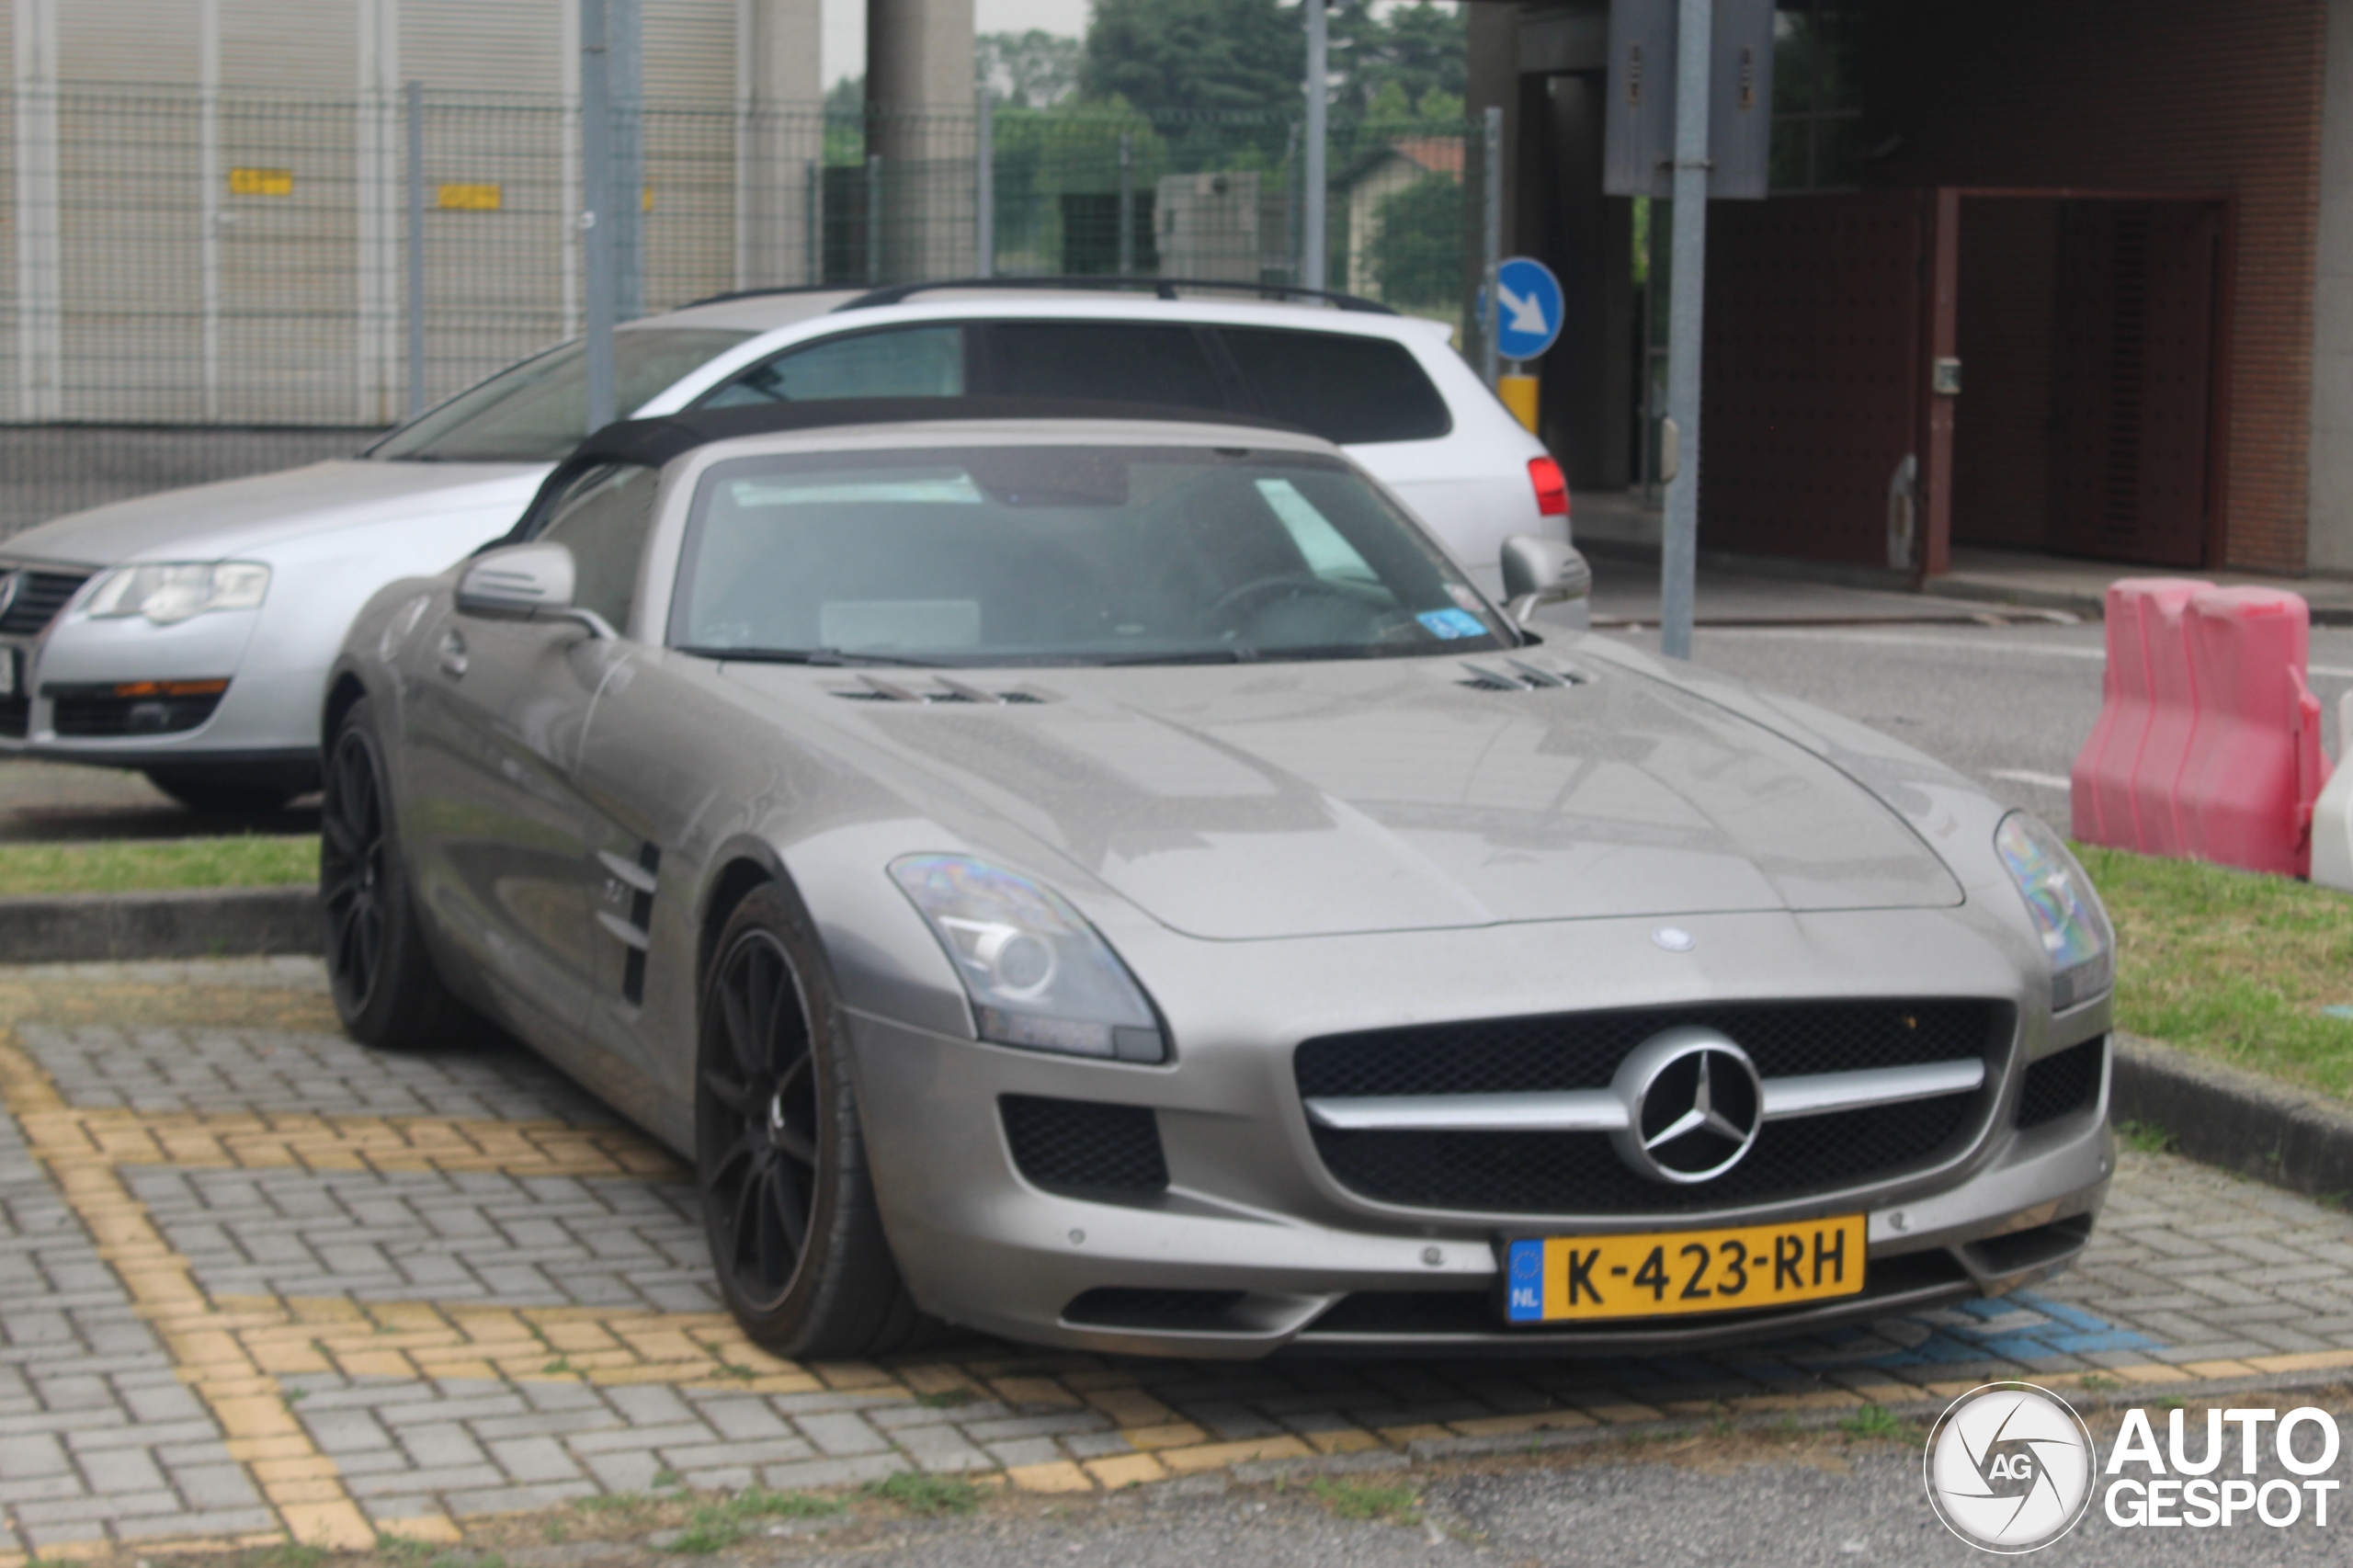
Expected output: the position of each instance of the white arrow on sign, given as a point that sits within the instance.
(1527, 311)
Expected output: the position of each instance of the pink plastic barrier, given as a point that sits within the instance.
(2207, 746)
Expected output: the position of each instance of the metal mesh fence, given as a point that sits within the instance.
(194, 286)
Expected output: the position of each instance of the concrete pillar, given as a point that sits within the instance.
(2329, 518)
(40, 301)
(919, 94)
(779, 129)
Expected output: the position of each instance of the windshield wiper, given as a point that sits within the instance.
(1184, 656)
(830, 657)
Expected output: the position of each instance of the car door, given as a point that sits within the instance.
(495, 723)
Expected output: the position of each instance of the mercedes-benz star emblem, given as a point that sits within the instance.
(1693, 1106)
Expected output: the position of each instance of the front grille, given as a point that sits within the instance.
(1563, 1173)
(1083, 1145)
(39, 595)
(2062, 1084)
(137, 707)
(1581, 1051)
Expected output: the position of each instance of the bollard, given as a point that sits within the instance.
(2145, 717)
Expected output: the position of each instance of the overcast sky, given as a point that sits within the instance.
(845, 47)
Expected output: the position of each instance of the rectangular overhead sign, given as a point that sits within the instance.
(1639, 153)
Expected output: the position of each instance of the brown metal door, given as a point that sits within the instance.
(2131, 380)
(1814, 373)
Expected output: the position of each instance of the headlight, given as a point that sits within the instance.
(1038, 973)
(170, 593)
(2074, 930)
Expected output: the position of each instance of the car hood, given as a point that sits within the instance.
(1250, 802)
(211, 522)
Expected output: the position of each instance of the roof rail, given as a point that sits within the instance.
(760, 294)
(1165, 287)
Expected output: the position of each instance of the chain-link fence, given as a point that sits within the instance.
(196, 285)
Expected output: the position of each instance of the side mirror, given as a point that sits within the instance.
(526, 582)
(1540, 570)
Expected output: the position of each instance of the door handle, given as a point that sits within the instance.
(453, 654)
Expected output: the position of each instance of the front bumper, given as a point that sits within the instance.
(265, 716)
(1304, 1265)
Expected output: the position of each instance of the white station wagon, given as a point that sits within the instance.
(188, 633)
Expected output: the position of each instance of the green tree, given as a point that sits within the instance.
(1417, 248)
(1031, 70)
(1194, 56)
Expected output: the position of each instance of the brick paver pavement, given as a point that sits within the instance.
(257, 1282)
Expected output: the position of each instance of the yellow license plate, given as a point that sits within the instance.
(1654, 1273)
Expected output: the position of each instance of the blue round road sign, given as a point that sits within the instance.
(1527, 308)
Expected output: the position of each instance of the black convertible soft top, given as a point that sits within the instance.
(655, 441)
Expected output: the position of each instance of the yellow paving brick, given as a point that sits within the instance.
(2302, 1361)
(2149, 1372)
(935, 1379)
(847, 1375)
(1829, 1399)
(665, 1346)
(2218, 1368)
(1217, 1456)
(439, 1528)
(1036, 1390)
(251, 1417)
(1888, 1394)
(1059, 1476)
(1130, 1406)
(1414, 1434)
(294, 1494)
(1531, 1421)
(336, 1525)
(572, 1334)
(1345, 1440)
(1622, 1412)
(1175, 1434)
(255, 1450)
(377, 1364)
(1126, 1470)
(284, 1360)
(306, 1467)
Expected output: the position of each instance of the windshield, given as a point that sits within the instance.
(536, 411)
(1072, 555)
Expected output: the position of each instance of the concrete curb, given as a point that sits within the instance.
(2225, 1116)
(192, 922)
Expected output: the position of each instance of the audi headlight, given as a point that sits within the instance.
(172, 591)
(1037, 974)
(2075, 934)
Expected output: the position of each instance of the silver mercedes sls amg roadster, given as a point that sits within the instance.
(1112, 881)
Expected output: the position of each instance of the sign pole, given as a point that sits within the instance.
(1318, 90)
(601, 295)
(1679, 550)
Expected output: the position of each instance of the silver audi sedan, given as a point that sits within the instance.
(1115, 882)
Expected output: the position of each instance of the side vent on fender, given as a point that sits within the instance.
(639, 879)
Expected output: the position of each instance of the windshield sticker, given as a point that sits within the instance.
(1450, 624)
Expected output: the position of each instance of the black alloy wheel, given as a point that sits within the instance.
(761, 1121)
(789, 1208)
(381, 972)
(352, 845)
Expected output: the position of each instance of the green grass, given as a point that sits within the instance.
(1876, 1421)
(715, 1527)
(1357, 1500)
(255, 860)
(2232, 965)
(921, 1493)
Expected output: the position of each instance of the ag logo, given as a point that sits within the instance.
(2010, 1468)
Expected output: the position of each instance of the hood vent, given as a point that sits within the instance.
(937, 688)
(1518, 674)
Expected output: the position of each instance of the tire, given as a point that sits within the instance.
(796, 1236)
(386, 990)
(234, 791)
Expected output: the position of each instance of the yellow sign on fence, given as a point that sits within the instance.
(261, 182)
(472, 197)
